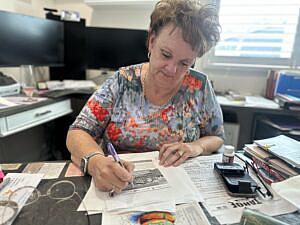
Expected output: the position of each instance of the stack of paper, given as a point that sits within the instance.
(284, 148)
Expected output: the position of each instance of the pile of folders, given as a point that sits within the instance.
(270, 161)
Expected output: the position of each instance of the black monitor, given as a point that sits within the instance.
(27, 40)
(113, 47)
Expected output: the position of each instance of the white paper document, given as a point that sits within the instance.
(259, 101)
(218, 202)
(289, 189)
(152, 184)
(18, 180)
(190, 214)
(149, 186)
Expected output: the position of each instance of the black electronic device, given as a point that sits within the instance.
(28, 40)
(237, 181)
(74, 51)
(114, 47)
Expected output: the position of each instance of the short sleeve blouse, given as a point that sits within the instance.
(118, 112)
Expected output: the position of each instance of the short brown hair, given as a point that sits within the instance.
(200, 24)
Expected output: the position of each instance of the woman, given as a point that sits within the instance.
(162, 105)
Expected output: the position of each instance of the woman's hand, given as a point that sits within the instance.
(109, 175)
(174, 154)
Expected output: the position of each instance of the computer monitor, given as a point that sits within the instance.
(27, 40)
(114, 47)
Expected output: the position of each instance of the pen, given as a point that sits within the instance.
(4, 183)
(112, 151)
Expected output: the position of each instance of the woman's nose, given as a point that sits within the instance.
(171, 68)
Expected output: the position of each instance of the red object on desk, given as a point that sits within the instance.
(1, 176)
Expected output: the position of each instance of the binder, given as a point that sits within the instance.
(288, 82)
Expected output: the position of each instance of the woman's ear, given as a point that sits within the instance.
(152, 37)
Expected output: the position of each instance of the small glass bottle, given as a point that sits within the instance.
(228, 154)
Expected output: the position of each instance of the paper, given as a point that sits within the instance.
(73, 171)
(190, 214)
(152, 184)
(10, 166)
(18, 180)
(225, 208)
(289, 190)
(186, 214)
(156, 191)
(4, 103)
(259, 101)
(50, 170)
(70, 84)
(222, 100)
(22, 100)
(284, 147)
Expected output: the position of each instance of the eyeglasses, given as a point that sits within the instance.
(57, 205)
(255, 169)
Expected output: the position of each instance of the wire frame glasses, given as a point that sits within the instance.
(57, 206)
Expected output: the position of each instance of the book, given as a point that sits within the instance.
(271, 84)
(254, 217)
(284, 148)
(288, 82)
(287, 101)
(269, 161)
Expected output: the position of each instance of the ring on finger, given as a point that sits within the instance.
(112, 191)
(180, 152)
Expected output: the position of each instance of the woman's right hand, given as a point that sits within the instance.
(109, 175)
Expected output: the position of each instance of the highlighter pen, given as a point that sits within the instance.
(4, 183)
(112, 151)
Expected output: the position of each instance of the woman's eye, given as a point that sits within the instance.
(185, 64)
(167, 56)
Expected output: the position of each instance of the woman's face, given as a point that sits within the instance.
(171, 57)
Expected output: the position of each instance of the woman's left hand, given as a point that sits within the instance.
(174, 154)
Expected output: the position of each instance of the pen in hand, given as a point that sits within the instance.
(112, 151)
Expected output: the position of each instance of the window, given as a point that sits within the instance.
(256, 33)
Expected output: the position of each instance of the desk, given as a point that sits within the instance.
(19, 124)
(74, 100)
(82, 185)
(246, 117)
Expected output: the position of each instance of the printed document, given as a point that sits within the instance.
(289, 190)
(18, 180)
(152, 184)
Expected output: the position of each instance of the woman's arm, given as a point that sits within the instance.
(107, 173)
(80, 143)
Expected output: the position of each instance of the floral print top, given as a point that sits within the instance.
(118, 112)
